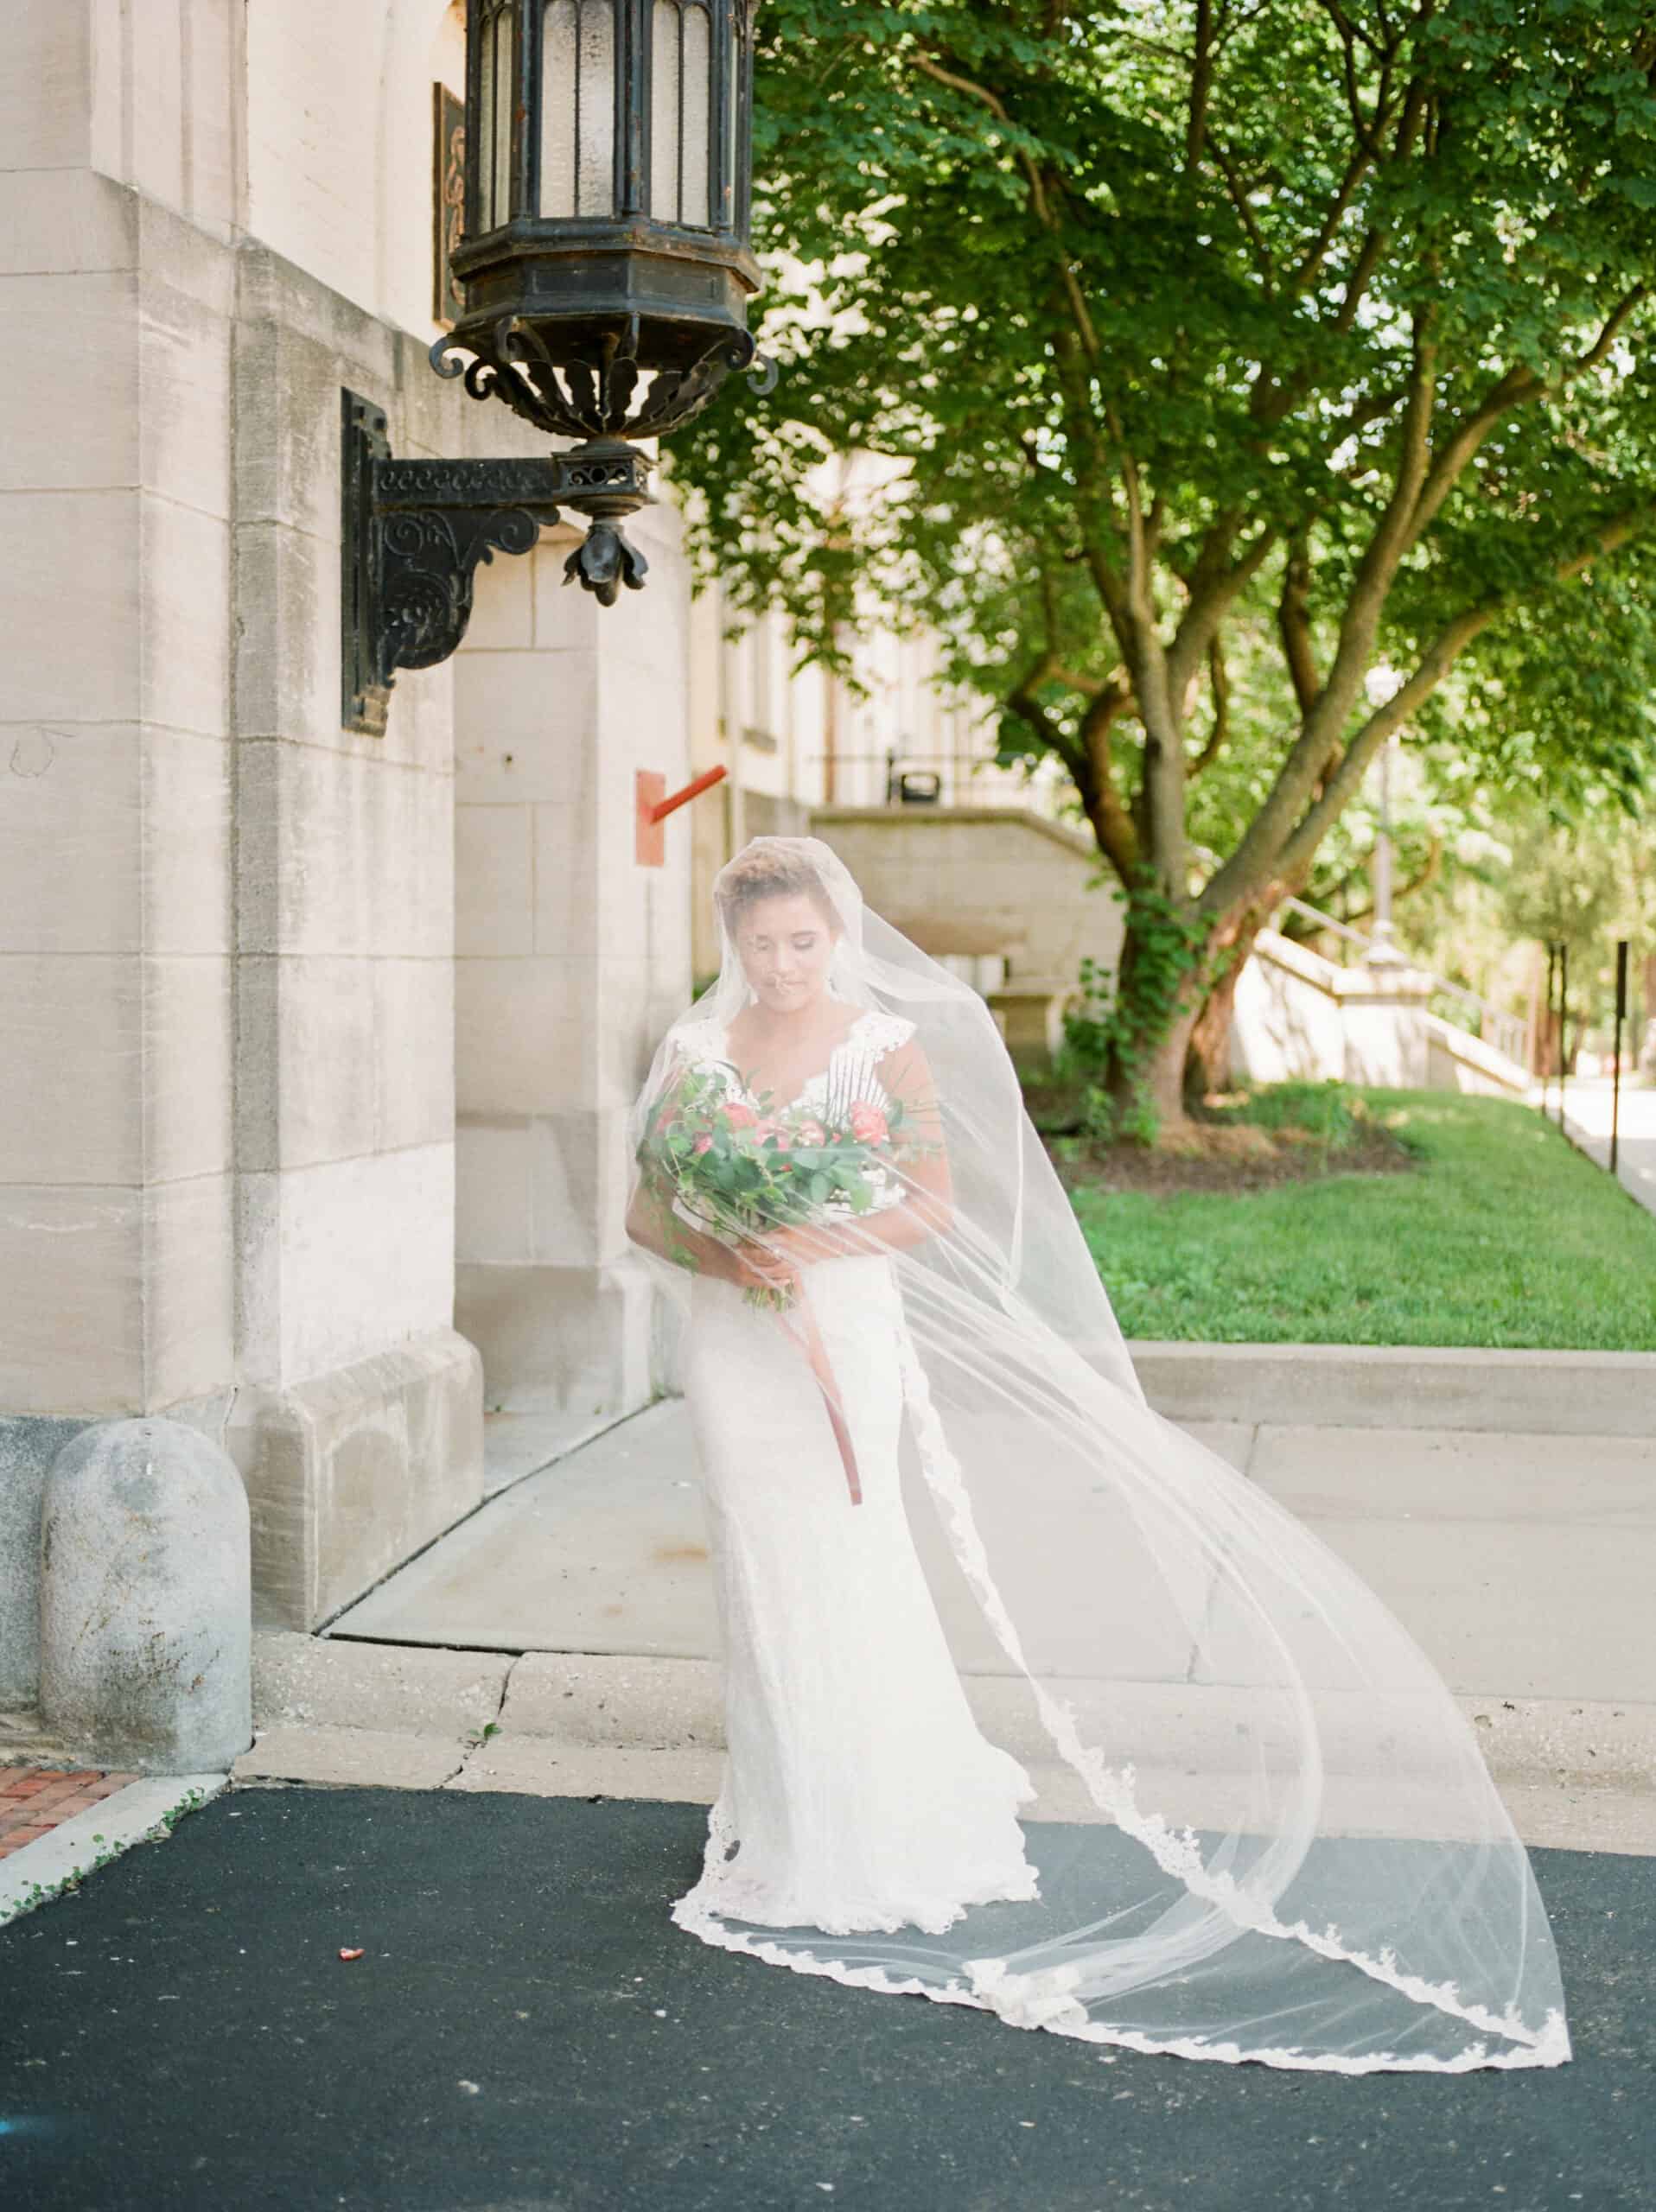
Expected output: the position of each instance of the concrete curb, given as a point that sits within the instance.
(42, 1869)
(625, 1705)
(1384, 1386)
(300, 1679)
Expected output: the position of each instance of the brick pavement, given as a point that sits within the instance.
(34, 1799)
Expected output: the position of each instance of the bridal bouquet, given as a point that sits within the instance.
(740, 1171)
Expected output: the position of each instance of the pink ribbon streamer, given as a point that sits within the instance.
(816, 1352)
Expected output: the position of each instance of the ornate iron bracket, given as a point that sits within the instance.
(412, 533)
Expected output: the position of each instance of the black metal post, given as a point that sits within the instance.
(1615, 1065)
(1547, 1026)
(1564, 1026)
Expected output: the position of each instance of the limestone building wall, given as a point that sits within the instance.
(228, 925)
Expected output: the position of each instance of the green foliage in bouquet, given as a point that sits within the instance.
(742, 1171)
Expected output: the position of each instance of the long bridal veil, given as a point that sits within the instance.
(1264, 1829)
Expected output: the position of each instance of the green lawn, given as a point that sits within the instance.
(1504, 1235)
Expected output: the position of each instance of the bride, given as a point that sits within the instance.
(1172, 1778)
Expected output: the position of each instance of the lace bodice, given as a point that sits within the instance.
(850, 1076)
(852, 1072)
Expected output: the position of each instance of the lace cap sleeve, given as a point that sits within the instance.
(882, 1033)
(699, 1041)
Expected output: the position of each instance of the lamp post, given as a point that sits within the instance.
(605, 272)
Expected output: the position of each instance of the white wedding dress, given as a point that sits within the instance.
(1253, 1823)
(859, 1794)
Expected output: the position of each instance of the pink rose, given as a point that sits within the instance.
(703, 1144)
(768, 1130)
(740, 1117)
(812, 1133)
(869, 1123)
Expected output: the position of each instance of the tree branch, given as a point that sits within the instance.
(1216, 582)
(1294, 627)
(1606, 337)
(1510, 391)
(1038, 196)
(1112, 825)
(1081, 427)
(1021, 700)
(1239, 200)
(1202, 85)
(1321, 727)
(1450, 642)
(1219, 676)
(1317, 252)
(1519, 385)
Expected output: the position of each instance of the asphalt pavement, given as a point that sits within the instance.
(527, 2031)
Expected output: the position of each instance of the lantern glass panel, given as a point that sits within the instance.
(667, 111)
(596, 164)
(494, 120)
(558, 111)
(498, 108)
(578, 108)
(680, 112)
(725, 202)
(696, 96)
(485, 130)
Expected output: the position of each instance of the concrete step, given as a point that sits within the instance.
(1535, 1393)
(626, 1702)
(1578, 1776)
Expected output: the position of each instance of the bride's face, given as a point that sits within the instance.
(785, 945)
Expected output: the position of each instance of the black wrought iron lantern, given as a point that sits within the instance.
(605, 270)
(605, 267)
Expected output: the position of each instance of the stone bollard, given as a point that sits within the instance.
(146, 1603)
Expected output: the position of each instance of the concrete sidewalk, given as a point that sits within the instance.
(563, 1639)
(1523, 1564)
(1587, 1111)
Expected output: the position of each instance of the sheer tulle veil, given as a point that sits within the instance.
(1264, 1830)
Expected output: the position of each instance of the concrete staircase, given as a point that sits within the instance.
(1302, 1017)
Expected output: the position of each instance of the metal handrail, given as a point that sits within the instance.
(1327, 922)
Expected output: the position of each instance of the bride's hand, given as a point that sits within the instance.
(765, 1267)
(800, 1247)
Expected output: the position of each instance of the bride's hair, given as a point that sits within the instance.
(752, 876)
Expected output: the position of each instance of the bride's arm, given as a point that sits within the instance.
(651, 1222)
(922, 1156)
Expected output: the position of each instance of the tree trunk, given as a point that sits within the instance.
(1150, 1097)
(1549, 1052)
(1208, 1061)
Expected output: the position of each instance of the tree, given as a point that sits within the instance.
(1218, 352)
(1583, 885)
